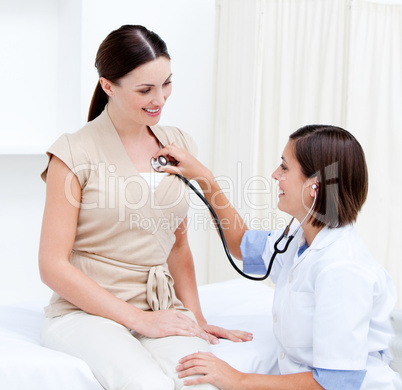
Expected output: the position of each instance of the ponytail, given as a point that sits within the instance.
(98, 102)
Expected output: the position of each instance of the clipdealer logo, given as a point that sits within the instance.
(113, 191)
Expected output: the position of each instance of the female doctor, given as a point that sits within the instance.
(332, 299)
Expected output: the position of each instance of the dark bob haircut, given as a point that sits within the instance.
(336, 159)
(122, 51)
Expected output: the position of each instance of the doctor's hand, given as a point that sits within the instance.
(213, 370)
(185, 163)
(216, 332)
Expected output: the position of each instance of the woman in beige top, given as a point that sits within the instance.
(114, 246)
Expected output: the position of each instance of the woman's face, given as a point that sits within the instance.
(294, 187)
(141, 94)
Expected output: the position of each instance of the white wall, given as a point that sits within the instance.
(48, 49)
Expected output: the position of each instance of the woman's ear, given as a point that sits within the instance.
(107, 86)
(314, 189)
(312, 186)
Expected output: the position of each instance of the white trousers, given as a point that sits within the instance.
(121, 359)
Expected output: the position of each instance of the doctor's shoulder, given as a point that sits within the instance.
(348, 257)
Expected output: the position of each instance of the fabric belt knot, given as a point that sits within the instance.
(159, 288)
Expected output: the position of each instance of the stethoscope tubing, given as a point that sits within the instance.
(158, 163)
(229, 256)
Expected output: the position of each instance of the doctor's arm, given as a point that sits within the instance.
(188, 166)
(57, 238)
(217, 372)
(181, 267)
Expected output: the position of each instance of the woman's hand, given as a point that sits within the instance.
(163, 323)
(212, 369)
(185, 163)
(216, 332)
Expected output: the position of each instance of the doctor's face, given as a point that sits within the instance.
(294, 197)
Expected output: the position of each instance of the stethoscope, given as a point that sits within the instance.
(162, 161)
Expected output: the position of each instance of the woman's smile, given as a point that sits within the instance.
(153, 112)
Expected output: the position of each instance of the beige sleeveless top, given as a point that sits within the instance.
(125, 231)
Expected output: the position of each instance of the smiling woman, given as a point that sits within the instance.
(135, 103)
(130, 48)
(123, 282)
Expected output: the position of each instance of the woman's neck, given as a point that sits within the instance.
(124, 127)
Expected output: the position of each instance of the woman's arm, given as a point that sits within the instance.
(223, 376)
(57, 239)
(181, 267)
(188, 166)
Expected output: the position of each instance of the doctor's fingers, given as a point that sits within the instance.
(196, 363)
(172, 151)
(184, 163)
(213, 369)
(193, 358)
(201, 363)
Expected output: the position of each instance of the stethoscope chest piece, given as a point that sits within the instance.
(156, 163)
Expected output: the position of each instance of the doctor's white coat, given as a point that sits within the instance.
(332, 304)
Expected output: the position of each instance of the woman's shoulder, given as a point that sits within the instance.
(75, 148)
(87, 132)
(82, 140)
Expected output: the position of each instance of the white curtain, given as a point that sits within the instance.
(282, 64)
(374, 114)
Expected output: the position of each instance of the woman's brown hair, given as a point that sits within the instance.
(336, 158)
(122, 51)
